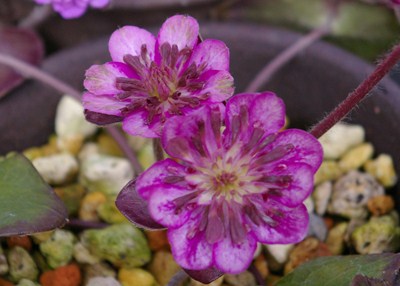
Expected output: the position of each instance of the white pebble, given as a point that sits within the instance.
(70, 119)
(340, 138)
(104, 173)
(57, 168)
(280, 252)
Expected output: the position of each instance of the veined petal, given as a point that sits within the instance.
(265, 110)
(104, 103)
(129, 40)
(218, 84)
(233, 257)
(290, 224)
(179, 30)
(101, 79)
(300, 186)
(135, 124)
(214, 54)
(157, 173)
(306, 149)
(135, 208)
(164, 209)
(192, 138)
(189, 247)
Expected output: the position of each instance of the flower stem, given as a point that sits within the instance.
(178, 278)
(358, 94)
(286, 55)
(30, 71)
(37, 16)
(158, 150)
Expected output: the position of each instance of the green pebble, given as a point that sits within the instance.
(123, 245)
(379, 234)
(58, 249)
(21, 265)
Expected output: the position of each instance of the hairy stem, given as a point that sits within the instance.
(31, 71)
(178, 278)
(358, 94)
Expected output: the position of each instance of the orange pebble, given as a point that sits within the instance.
(22, 241)
(380, 205)
(157, 240)
(68, 275)
(329, 222)
(4, 282)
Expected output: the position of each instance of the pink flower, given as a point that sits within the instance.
(152, 79)
(73, 8)
(235, 179)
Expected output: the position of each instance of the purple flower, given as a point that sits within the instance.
(235, 180)
(73, 8)
(152, 79)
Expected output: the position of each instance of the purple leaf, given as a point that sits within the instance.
(22, 44)
(135, 208)
(27, 203)
(205, 276)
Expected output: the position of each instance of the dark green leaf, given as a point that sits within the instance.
(355, 270)
(27, 203)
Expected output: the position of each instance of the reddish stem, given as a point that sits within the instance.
(358, 94)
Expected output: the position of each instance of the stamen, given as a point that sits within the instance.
(215, 228)
(135, 63)
(237, 230)
(173, 179)
(244, 116)
(281, 181)
(275, 154)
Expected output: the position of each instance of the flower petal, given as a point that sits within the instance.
(99, 3)
(157, 173)
(265, 110)
(105, 104)
(135, 208)
(179, 30)
(163, 208)
(129, 40)
(189, 247)
(306, 149)
(193, 138)
(205, 276)
(214, 54)
(135, 124)
(291, 224)
(218, 84)
(101, 79)
(234, 258)
(70, 10)
(300, 186)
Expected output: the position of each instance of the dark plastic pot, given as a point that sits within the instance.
(311, 85)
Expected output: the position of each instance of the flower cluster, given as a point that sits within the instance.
(152, 79)
(69, 9)
(234, 177)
